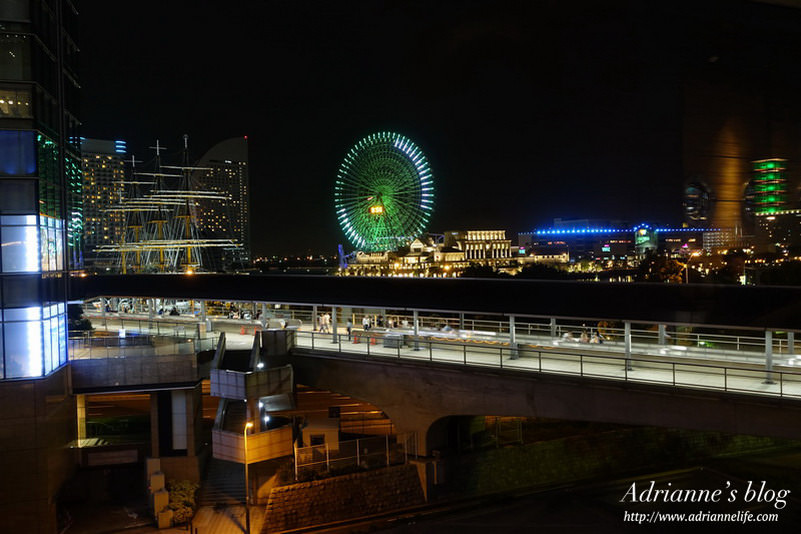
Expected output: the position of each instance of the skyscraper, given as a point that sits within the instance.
(103, 173)
(226, 171)
(40, 219)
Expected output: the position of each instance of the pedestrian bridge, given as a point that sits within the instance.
(705, 357)
(420, 385)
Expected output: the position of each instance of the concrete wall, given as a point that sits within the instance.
(238, 385)
(261, 446)
(134, 371)
(37, 424)
(415, 395)
(343, 497)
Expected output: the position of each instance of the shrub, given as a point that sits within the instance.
(182, 499)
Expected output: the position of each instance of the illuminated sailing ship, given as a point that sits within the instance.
(161, 211)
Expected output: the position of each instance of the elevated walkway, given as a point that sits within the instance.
(137, 363)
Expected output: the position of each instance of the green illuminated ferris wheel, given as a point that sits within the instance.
(384, 193)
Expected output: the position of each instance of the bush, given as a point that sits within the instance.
(182, 499)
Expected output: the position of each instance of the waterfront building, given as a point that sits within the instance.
(441, 256)
(103, 176)
(613, 243)
(224, 170)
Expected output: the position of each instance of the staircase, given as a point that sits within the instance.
(223, 484)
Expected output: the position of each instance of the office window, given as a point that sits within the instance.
(20, 248)
(15, 61)
(15, 103)
(50, 242)
(14, 10)
(17, 152)
(23, 348)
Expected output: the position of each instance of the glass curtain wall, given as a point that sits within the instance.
(33, 329)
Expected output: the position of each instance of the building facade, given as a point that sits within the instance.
(103, 175)
(481, 244)
(40, 230)
(446, 257)
(224, 169)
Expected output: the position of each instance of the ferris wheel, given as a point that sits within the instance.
(384, 192)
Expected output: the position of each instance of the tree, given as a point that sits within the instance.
(538, 271)
(481, 271)
(659, 268)
(76, 320)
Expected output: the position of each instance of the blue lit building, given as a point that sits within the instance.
(611, 240)
(40, 233)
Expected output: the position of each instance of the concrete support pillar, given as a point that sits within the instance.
(461, 321)
(512, 338)
(790, 342)
(662, 335)
(553, 326)
(203, 311)
(154, 425)
(180, 417)
(103, 304)
(416, 329)
(314, 318)
(627, 344)
(151, 309)
(333, 324)
(80, 403)
(768, 357)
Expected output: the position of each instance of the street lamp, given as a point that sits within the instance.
(248, 425)
(687, 265)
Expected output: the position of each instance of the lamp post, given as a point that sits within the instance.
(687, 265)
(247, 482)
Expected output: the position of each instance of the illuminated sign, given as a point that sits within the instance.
(376, 210)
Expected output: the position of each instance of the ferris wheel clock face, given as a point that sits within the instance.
(384, 192)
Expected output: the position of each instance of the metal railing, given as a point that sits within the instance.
(743, 378)
(97, 347)
(363, 453)
(694, 340)
(158, 326)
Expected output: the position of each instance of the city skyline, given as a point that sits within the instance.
(404, 386)
(527, 113)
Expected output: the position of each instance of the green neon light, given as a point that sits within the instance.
(384, 192)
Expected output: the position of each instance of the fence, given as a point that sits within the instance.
(364, 453)
(598, 363)
(97, 347)
(156, 326)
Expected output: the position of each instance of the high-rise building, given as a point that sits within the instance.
(40, 217)
(225, 170)
(103, 174)
(768, 187)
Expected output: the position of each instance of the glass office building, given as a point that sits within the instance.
(40, 180)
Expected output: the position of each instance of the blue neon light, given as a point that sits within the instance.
(582, 231)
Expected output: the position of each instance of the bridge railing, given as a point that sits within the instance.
(158, 326)
(740, 378)
(699, 339)
(103, 347)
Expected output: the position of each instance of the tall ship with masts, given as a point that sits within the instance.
(163, 205)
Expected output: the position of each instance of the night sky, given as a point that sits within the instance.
(526, 110)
